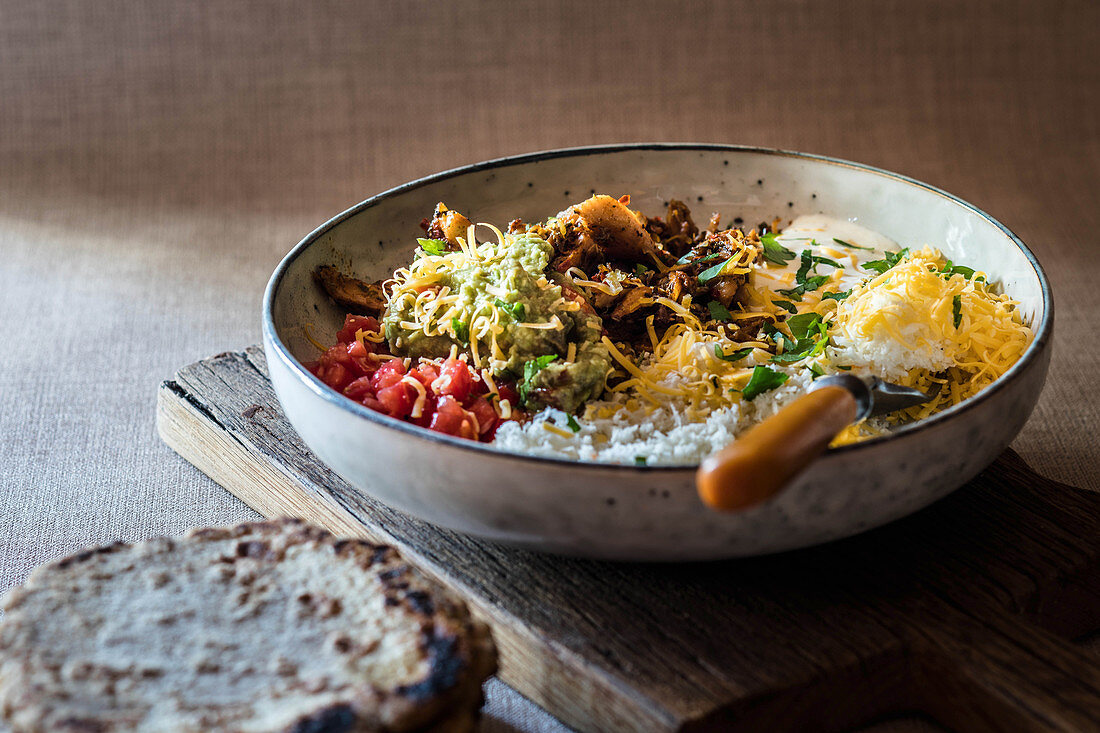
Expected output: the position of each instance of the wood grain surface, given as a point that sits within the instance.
(965, 611)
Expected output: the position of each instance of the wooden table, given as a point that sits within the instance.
(961, 611)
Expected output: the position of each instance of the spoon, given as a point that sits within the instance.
(757, 465)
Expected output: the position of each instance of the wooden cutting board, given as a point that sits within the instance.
(964, 611)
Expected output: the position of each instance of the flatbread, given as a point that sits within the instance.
(270, 626)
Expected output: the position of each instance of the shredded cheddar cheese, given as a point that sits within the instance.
(948, 332)
(556, 430)
(684, 366)
(421, 396)
(911, 308)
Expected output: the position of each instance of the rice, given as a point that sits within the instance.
(894, 346)
(667, 435)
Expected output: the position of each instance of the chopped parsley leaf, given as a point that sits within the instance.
(889, 260)
(462, 331)
(530, 369)
(794, 293)
(815, 370)
(785, 305)
(639, 460)
(826, 261)
(690, 257)
(777, 336)
(808, 285)
(803, 325)
(573, 424)
(735, 356)
(435, 247)
(810, 261)
(762, 380)
(516, 310)
(836, 296)
(849, 245)
(774, 252)
(640, 269)
(952, 269)
(811, 337)
(957, 310)
(718, 311)
(806, 264)
(712, 272)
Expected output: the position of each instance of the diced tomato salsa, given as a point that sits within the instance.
(448, 397)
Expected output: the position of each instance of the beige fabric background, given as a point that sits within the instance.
(158, 158)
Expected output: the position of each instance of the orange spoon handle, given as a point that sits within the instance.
(760, 463)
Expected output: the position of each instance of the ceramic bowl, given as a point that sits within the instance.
(648, 513)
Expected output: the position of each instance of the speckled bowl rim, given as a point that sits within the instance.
(1042, 331)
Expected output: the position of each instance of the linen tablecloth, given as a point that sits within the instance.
(157, 159)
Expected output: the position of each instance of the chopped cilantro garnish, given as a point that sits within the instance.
(809, 285)
(516, 310)
(573, 424)
(810, 261)
(762, 380)
(774, 252)
(827, 261)
(712, 272)
(815, 370)
(639, 460)
(794, 293)
(811, 338)
(836, 296)
(530, 369)
(805, 264)
(435, 247)
(957, 310)
(735, 356)
(462, 331)
(849, 245)
(889, 260)
(777, 336)
(785, 305)
(952, 269)
(640, 269)
(803, 325)
(689, 257)
(718, 311)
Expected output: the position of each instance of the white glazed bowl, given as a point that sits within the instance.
(648, 513)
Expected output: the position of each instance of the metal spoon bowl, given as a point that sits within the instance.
(763, 461)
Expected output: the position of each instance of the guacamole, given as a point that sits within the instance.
(498, 303)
